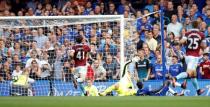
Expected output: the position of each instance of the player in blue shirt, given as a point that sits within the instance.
(175, 68)
(157, 70)
(161, 91)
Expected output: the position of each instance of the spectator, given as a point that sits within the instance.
(205, 67)
(187, 23)
(112, 68)
(171, 38)
(28, 38)
(148, 53)
(170, 10)
(15, 49)
(156, 33)
(5, 71)
(38, 11)
(17, 71)
(112, 10)
(100, 72)
(192, 15)
(207, 20)
(34, 47)
(97, 10)
(40, 38)
(174, 26)
(181, 15)
(152, 43)
(88, 8)
(34, 70)
(103, 8)
(58, 69)
(203, 27)
(108, 46)
(46, 70)
(2, 47)
(33, 56)
(138, 41)
(16, 60)
(121, 7)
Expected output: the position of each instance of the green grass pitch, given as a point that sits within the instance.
(105, 101)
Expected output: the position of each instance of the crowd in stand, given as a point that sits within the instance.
(43, 52)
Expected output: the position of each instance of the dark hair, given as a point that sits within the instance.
(205, 54)
(175, 57)
(195, 24)
(139, 85)
(33, 61)
(79, 39)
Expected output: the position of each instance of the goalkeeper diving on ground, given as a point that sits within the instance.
(126, 87)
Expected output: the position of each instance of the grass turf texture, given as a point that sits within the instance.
(104, 101)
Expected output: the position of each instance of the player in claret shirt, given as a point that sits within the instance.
(194, 43)
(205, 67)
(80, 54)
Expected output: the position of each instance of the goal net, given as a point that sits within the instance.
(35, 53)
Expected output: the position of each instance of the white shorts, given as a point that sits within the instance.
(192, 62)
(80, 73)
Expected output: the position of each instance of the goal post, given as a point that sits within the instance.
(13, 31)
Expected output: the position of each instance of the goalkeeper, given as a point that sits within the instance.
(125, 86)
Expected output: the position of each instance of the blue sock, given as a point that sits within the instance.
(182, 75)
(195, 83)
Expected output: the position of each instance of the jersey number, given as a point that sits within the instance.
(193, 43)
(80, 55)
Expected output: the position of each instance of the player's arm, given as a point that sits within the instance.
(183, 40)
(203, 44)
(71, 52)
(201, 71)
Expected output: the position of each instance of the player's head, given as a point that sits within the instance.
(89, 82)
(205, 56)
(174, 59)
(79, 39)
(140, 85)
(195, 24)
(141, 53)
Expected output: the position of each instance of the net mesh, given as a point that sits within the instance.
(36, 57)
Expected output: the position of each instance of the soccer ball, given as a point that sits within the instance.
(15, 78)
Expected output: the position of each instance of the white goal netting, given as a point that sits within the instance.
(35, 56)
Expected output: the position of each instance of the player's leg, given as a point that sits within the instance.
(80, 74)
(193, 75)
(110, 89)
(191, 72)
(183, 74)
(74, 80)
(182, 85)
